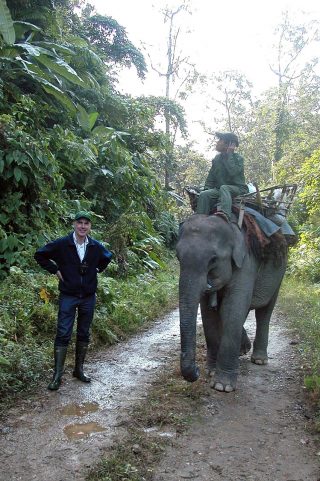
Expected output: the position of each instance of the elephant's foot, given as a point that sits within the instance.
(222, 388)
(259, 357)
(211, 365)
(224, 381)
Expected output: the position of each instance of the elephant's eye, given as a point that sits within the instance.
(213, 260)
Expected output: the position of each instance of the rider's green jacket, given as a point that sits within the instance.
(226, 169)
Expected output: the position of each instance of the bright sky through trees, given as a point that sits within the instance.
(218, 36)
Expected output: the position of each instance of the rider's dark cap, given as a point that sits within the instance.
(228, 137)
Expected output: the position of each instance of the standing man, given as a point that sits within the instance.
(225, 179)
(75, 260)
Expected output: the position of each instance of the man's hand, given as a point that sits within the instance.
(231, 148)
(59, 275)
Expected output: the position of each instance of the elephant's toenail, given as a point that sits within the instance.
(218, 386)
(228, 388)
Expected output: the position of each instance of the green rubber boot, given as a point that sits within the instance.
(81, 351)
(59, 359)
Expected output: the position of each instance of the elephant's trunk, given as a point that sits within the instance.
(190, 290)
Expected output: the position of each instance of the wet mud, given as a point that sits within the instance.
(62, 433)
(258, 433)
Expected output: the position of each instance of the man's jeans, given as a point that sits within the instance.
(68, 305)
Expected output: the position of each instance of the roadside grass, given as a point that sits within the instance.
(167, 411)
(125, 305)
(28, 313)
(299, 301)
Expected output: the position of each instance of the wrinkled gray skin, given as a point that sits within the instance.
(212, 251)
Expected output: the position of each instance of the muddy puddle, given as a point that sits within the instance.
(79, 410)
(62, 433)
(78, 431)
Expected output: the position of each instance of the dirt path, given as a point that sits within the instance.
(257, 433)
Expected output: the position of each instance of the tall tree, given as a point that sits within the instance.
(179, 73)
(292, 44)
(231, 103)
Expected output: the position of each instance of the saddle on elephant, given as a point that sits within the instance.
(263, 214)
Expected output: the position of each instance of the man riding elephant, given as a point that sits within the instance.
(225, 179)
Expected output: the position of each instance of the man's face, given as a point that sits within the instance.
(82, 228)
(221, 146)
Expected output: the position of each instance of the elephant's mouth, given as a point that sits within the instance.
(210, 287)
(213, 286)
(213, 298)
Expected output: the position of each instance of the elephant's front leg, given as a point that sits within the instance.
(233, 314)
(212, 330)
(260, 344)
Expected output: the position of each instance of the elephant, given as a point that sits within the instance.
(216, 260)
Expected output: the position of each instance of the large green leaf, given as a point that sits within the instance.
(21, 28)
(44, 79)
(23, 49)
(59, 95)
(4, 361)
(103, 132)
(35, 50)
(34, 70)
(55, 47)
(86, 121)
(59, 66)
(51, 89)
(9, 53)
(6, 24)
(90, 81)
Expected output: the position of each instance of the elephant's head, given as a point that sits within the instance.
(209, 249)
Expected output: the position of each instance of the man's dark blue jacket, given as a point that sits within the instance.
(61, 255)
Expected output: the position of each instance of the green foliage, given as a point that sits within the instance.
(49, 165)
(162, 106)
(310, 176)
(86, 121)
(136, 244)
(312, 383)
(41, 64)
(304, 259)
(111, 40)
(116, 468)
(191, 168)
(21, 366)
(299, 301)
(25, 324)
(168, 227)
(125, 304)
(6, 24)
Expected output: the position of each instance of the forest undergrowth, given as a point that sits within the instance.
(299, 301)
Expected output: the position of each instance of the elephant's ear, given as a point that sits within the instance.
(239, 247)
